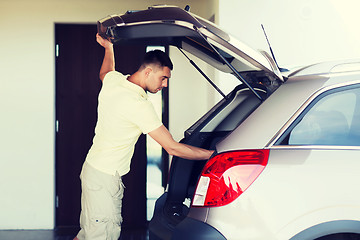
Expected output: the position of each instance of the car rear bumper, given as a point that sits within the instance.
(191, 229)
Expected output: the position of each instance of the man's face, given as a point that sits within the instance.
(158, 79)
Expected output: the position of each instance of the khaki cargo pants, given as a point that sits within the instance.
(101, 200)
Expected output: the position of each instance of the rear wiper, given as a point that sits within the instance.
(202, 73)
(237, 74)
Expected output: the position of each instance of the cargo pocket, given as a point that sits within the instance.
(114, 226)
(102, 222)
(117, 200)
(97, 229)
(93, 197)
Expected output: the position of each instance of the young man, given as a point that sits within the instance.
(124, 113)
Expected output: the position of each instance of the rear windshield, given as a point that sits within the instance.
(229, 113)
(234, 113)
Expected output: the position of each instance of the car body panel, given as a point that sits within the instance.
(285, 216)
(268, 121)
(328, 173)
(245, 137)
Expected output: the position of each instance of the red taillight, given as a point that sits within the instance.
(227, 175)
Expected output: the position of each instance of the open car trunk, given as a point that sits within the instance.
(258, 77)
(173, 206)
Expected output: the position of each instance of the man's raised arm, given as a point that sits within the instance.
(108, 63)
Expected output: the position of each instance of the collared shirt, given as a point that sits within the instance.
(124, 112)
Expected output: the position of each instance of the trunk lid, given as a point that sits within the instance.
(170, 25)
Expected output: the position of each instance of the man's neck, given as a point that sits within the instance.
(136, 79)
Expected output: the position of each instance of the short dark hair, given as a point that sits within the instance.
(157, 57)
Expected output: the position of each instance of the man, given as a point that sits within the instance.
(124, 113)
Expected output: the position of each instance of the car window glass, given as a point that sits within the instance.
(231, 116)
(333, 120)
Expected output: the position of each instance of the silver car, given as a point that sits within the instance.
(287, 143)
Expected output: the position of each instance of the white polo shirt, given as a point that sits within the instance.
(124, 112)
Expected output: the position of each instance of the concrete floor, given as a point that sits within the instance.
(126, 234)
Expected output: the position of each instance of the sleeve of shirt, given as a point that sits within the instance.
(145, 117)
(112, 77)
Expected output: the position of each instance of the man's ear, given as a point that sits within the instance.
(147, 71)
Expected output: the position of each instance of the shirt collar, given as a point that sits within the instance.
(134, 87)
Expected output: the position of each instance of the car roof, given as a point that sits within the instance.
(328, 67)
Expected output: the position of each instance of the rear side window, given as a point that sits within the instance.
(332, 119)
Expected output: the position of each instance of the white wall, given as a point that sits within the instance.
(27, 99)
(190, 95)
(300, 31)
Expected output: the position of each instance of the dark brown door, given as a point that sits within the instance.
(78, 60)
